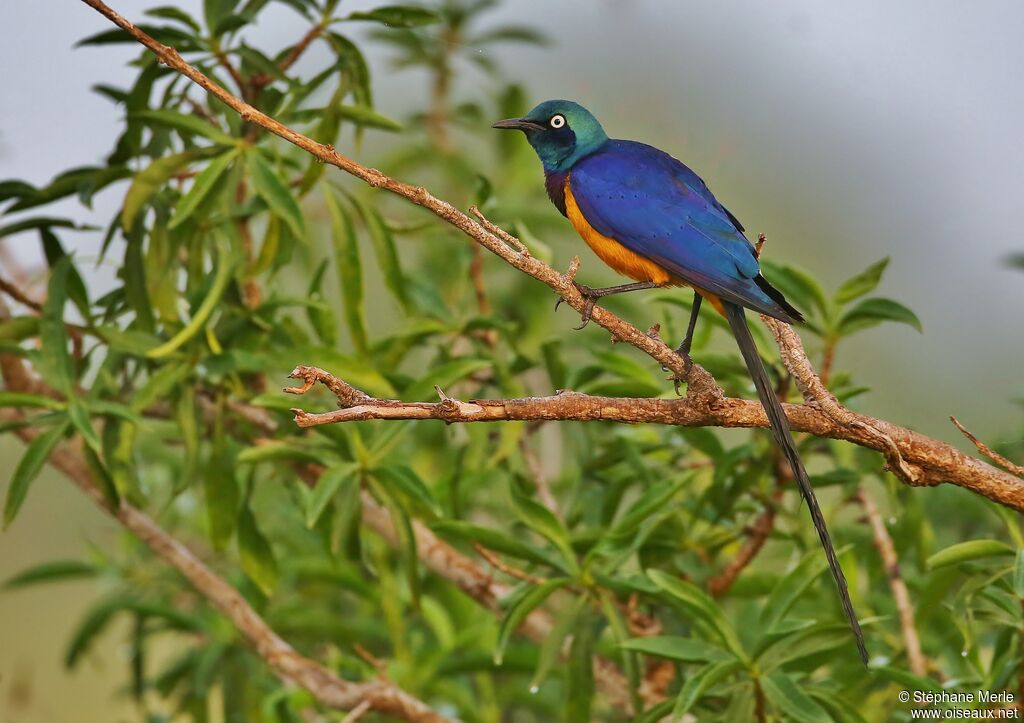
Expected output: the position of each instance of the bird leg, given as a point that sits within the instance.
(592, 295)
(683, 349)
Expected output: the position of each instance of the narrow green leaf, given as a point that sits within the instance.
(220, 486)
(874, 311)
(494, 540)
(863, 283)
(256, 556)
(700, 682)
(277, 195)
(386, 253)
(698, 602)
(149, 180)
(364, 116)
(336, 479)
(29, 466)
(554, 642)
(226, 262)
(968, 551)
(58, 367)
(541, 520)
(404, 480)
(53, 571)
(525, 601)
(1018, 575)
(789, 589)
(444, 376)
(189, 124)
(790, 701)
(399, 16)
(348, 264)
(203, 184)
(79, 415)
(24, 399)
(678, 648)
(579, 694)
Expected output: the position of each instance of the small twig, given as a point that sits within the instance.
(20, 296)
(376, 663)
(499, 564)
(761, 238)
(993, 455)
(900, 594)
(815, 392)
(357, 712)
(758, 534)
(499, 232)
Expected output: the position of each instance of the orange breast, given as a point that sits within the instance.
(614, 254)
(623, 260)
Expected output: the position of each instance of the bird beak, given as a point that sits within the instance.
(518, 124)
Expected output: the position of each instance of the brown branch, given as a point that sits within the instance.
(498, 564)
(934, 461)
(901, 596)
(993, 455)
(719, 584)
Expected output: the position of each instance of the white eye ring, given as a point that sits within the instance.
(557, 121)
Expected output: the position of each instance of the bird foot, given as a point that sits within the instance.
(590, 295)
(683, 350)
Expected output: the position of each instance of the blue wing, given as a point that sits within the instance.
(657, 207)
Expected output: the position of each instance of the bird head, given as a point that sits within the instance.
(560, 131)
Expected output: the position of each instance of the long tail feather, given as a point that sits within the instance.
(783, 438)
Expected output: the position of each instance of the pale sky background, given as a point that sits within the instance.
(845, 131)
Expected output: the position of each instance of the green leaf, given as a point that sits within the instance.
(523, 602)
(1018, 575)
(908, 680)
(336, 479)
(554, 642)
(863, 283)
(29, 466)
(57, 365)
(543, 521)
(24, 399)
(149, 180)
(277, 195)
(698, 602)
(403, 480)
(798, 286)
(31, 224)
(349, 268)
(968, 551)
(386, 253)
(790, 701)
(874, 311)
(493, 540)
(202, 186)
(53, 571)
(220, 487)
(792, 586)
(226, 262)
(579, 694)
(189, 124)
(701, 681)
(256, 556)
(79, 415)
(399, 16)
(678, 648)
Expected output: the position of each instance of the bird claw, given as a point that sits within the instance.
(683, 351)
(588, 308)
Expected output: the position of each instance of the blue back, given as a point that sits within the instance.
(657, 207)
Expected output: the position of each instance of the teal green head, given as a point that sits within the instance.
(560, 131)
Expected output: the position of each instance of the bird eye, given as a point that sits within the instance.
(557, 121)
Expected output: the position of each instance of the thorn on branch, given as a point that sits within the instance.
(993, 455)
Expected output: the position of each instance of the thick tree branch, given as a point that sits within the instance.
(934, 462)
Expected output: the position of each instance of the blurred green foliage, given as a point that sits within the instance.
(239, 257)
